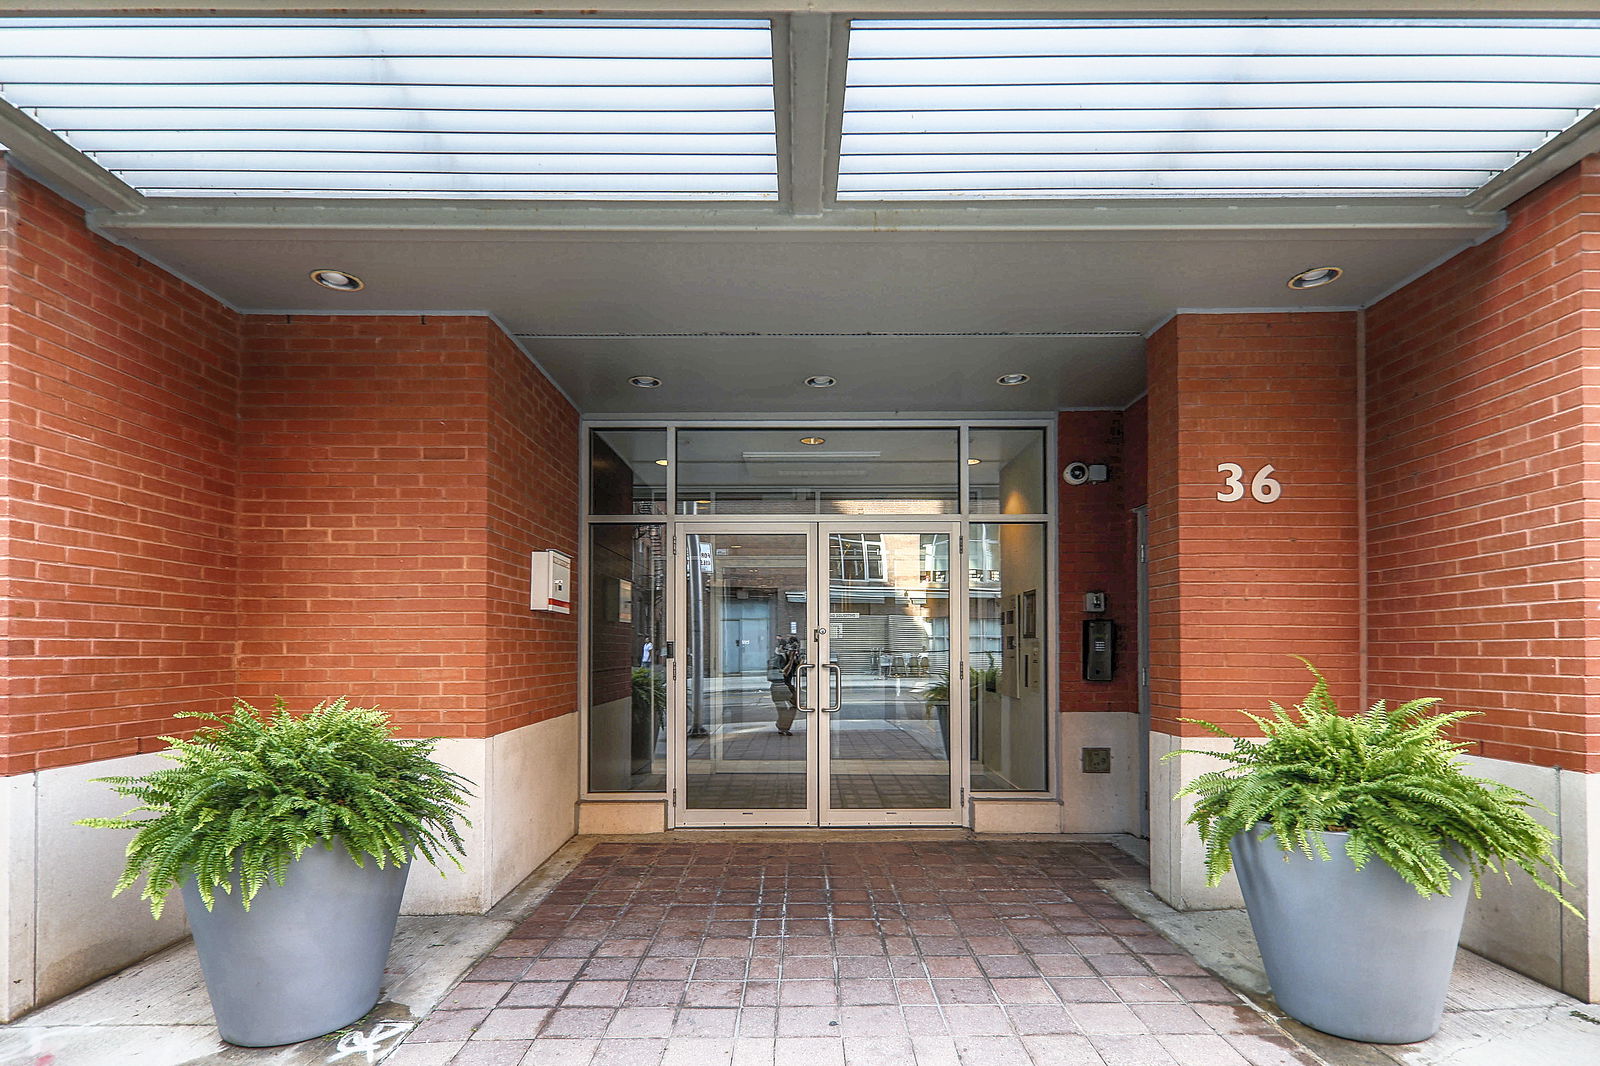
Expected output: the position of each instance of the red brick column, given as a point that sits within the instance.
(1238, 588)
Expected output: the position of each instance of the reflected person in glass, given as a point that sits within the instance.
(781, 669)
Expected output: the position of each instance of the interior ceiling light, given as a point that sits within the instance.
(813, 441)
(337, 280)
(1311, 279)
(821, 381)
(1011, 379)
(661, 462)
(974, 462)
(645, 381)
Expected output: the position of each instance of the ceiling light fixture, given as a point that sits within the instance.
(813, 441)
(1316, 276)
(974, 462)
(645, 381)
(337, 280)
(661, 462)
(821, 381)
(1011, 379)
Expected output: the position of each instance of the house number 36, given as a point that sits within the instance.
(1263, 487)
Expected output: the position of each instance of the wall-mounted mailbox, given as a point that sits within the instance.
(551, 582)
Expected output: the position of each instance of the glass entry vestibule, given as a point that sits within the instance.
(850, 632)
(815, 665)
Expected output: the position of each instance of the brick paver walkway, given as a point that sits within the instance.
(946, 953)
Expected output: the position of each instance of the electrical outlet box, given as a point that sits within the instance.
(550, 582)
(1097, 760)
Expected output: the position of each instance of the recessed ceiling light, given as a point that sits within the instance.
(1311, 279)
(813, 441)
(974, 462)
(1011, 379)
(821, 381)
(337, 280)
(661, 462)
(645, 381)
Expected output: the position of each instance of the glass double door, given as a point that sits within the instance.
(813, 675)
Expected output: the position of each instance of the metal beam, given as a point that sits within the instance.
(1533, 170)
(804, 58)
(854, 8)
(430, 220)
(62, 167)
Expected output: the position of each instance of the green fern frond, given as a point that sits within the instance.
(1390, 778)
(249, 792)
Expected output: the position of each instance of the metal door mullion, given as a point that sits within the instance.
(820, 733)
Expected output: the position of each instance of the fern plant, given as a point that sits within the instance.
(251, 791)
(1390, 779)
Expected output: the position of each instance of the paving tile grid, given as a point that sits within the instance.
(944, 953)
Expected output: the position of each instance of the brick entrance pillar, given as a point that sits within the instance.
(1242, 584)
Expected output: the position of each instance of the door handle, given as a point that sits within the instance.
(802, 678)
(836, 687)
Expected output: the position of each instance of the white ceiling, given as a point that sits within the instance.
(906, 322)
(914, 307)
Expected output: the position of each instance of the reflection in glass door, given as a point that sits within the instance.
(816, 677)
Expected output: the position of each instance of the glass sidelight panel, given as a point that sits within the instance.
(627, 471)
(627, 680)
(1006, 472)
(1006, 638)
(889, 671)
(743, 651)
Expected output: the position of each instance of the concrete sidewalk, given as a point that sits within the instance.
(1492, 1016)
(156, 1013)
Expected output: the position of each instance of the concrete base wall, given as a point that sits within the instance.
(1177, 858)
(62, 928)
(622, 816)
(1016, 816)
(526, 785)
(1100, 803)
(1516, 924)
(1522, 927)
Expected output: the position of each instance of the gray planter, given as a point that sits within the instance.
(1354, 953)
(307, 957)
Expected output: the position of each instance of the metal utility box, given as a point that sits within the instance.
(551, 582)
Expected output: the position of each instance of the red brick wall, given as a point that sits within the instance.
(1482, 387)
(119, 394)
(363, 528)
(1098, 534)
(394, 473)
(533, 504)
(1254, 583)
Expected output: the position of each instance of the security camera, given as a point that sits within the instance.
(1083, 473)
